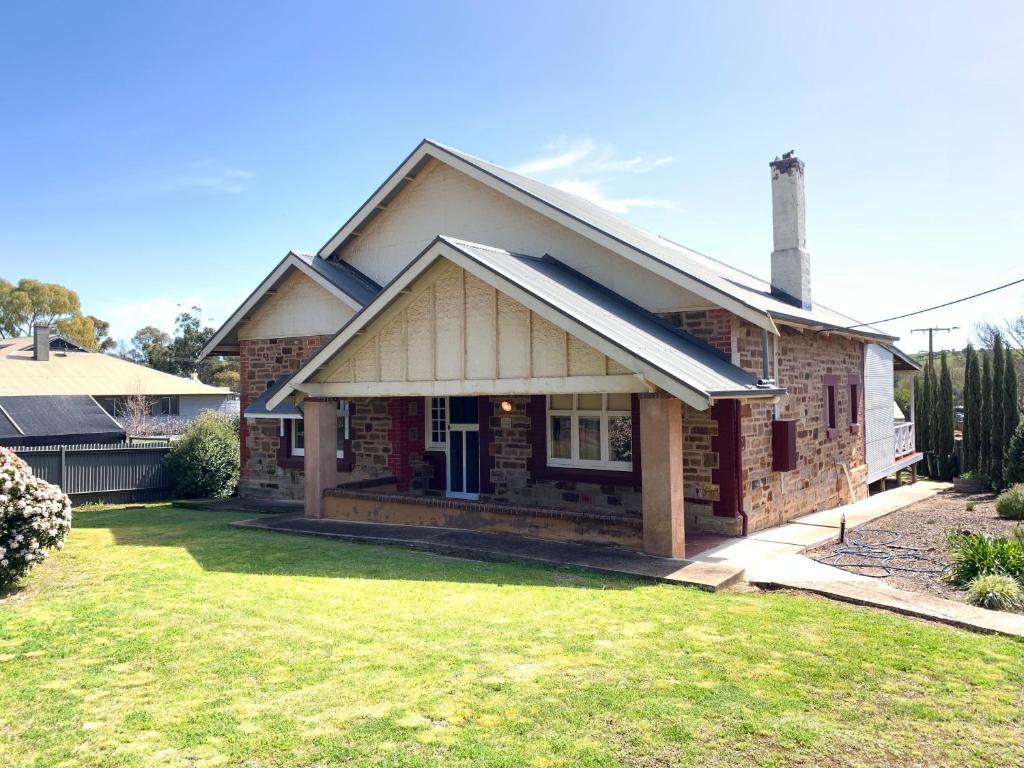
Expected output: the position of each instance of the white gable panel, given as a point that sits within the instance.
(445, 201)
(300, 307)
(452, 316)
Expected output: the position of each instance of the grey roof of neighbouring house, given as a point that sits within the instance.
(51, 419)
(740, 286)
(676, 353)
(258, 408)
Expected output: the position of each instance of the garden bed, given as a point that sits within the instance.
(925, 526)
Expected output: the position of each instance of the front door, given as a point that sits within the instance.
(463, 448)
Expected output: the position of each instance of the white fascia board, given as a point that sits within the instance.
(291, 261)
(645, 260)
(391, 292)
(545, 385)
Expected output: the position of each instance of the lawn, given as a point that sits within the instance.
(161, 636)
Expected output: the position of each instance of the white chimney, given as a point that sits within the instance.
(791, 264)
(41, 342)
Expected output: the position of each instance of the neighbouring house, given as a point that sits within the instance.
(49, 366)
(28, 420)
(476, 349)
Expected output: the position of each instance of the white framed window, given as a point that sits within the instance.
(591, 431)
(167, 406)
(436, 429)
(299, 432)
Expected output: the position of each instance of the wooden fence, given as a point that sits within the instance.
(112, 473)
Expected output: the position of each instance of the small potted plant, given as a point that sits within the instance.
(969, 482)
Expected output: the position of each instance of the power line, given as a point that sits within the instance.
(937, 306)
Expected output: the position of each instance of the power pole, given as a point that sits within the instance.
(931, 333)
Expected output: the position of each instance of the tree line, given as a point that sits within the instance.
(991, 437)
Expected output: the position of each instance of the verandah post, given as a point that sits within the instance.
(661, 468)
(320, 419)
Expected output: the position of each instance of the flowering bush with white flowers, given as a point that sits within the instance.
(34, 516)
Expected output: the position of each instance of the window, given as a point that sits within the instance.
(437, 423)
(831, 405)
(167, 406)
(854, 403)
(299, 432)
(591, 431)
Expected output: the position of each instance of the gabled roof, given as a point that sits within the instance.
(737, 291)
(663, 355)
(52, 419)
(902, 361)
(91, 373)
(258, 408)
(27, 343)
(345, 282)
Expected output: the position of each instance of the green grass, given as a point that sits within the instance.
(162, 637)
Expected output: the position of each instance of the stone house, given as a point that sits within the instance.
(473, 348)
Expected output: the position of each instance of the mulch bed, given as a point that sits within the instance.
(925, 526)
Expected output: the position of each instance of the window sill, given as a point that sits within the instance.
(855, 429)
(595, 467)
(832, 432)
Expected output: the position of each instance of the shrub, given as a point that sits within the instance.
(968, 475)
(205, 460)
(971, 505)
(997, 592)
(978, 554)
(1015, 457)
(34, 516)
(1010, 503)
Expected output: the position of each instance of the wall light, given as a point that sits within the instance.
(506, 406)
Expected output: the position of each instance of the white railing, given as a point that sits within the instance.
(904, 439)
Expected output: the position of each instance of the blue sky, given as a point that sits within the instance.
(153, 155)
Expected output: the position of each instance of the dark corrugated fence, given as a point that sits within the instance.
(112, 473)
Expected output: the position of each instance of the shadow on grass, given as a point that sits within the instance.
(217, 547)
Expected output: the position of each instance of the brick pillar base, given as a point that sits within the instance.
(661, 467)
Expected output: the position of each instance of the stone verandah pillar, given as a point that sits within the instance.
(661, 469)
(320, 417)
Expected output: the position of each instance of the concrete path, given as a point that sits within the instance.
(499, 546)
(811, 530)
(863, 590)
(773, 558)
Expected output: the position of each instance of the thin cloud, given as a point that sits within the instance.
(593, 165)
(591, 190)
(207, 176)
(563, 157)
(585, 155)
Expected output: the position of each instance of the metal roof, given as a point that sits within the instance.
(750, 291)
(286, 410)
(343, 276)
(91, 373)
(46, 419)
(676, 353)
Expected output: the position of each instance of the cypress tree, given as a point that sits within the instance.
(998, 436)
(972, 410)
(944, 419)
(984, 443)
(1011, 409)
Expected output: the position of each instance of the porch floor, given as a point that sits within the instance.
(502, 546)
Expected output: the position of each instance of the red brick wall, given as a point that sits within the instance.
(831, 470)
(262, 361)
(712, 326)
(406, 437)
